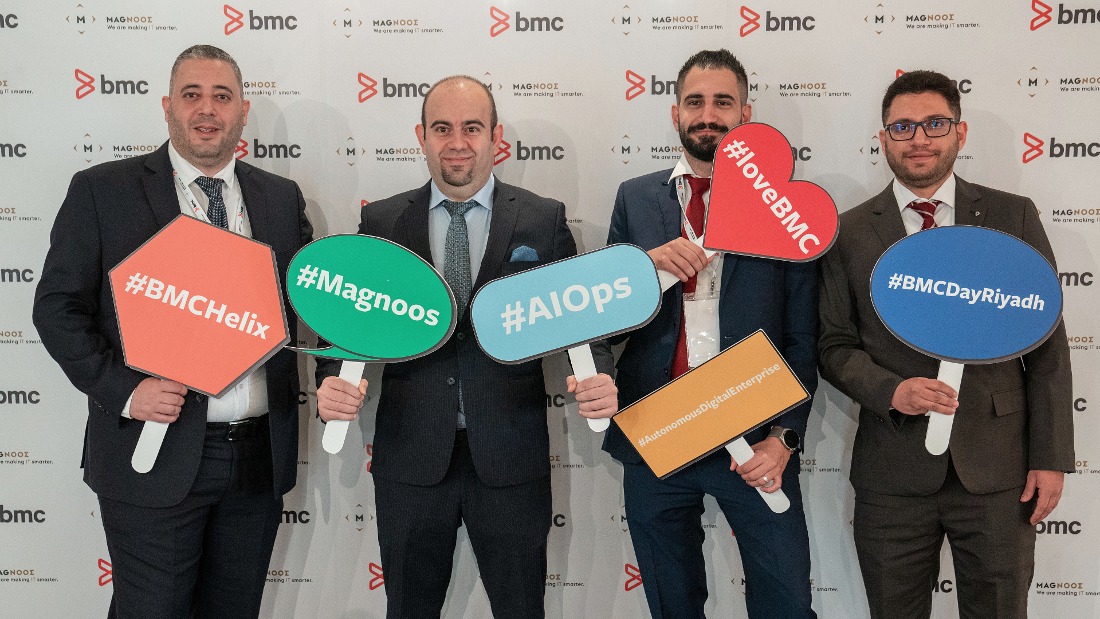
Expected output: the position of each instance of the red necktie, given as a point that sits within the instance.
(696, 211)
(927, 210)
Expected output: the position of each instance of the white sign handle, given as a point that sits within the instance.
(742, 453)
(337, 430)
(584, 366)
(148, 446)
(939, 425)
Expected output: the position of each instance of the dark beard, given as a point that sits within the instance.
(703, 149)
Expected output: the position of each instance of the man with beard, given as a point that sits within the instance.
(1013, 428)
(460, 439)
(194, 535)
(719, 303)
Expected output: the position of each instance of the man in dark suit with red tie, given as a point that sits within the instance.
(194, 535)
(1012, 438)
(461, 439)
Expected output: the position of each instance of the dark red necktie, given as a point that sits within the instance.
(696, 212)
(927, 210)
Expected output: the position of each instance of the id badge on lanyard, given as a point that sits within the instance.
(237, 225)
(701, 306)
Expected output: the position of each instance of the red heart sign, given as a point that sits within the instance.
(755, 207)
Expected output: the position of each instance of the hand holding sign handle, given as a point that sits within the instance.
(939, 425)
(584, 366)
(337, 429)
(742, 452)
(668, 280)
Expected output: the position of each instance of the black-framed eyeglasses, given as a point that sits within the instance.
(933, 128)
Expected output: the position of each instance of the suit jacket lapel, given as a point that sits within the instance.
(501, 226)
(967, 211)
(412, 225)
(255, 202)
(160, 188)
(887, 221)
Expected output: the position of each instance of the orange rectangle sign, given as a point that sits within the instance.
(744, 387)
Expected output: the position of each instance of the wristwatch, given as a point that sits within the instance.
(787, 436)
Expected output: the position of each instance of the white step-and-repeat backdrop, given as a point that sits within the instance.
(584, 90)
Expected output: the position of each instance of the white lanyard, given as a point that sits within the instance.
(238, 217)
(681, 195)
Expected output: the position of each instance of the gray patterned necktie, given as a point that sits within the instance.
(456, 267)
(212, 187)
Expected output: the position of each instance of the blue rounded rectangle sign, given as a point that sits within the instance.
(566, 303)
(967, 294)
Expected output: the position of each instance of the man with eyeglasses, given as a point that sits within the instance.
(1013, 431)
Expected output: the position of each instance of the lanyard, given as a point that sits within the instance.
(682, 197)
(238, 217)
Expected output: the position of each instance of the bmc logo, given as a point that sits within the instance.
(1058, 150)
(256, 22)
(390, 89)
(20, 397)
(528, 153)
(21, 516)
(637, 85)
(108, 87)
(9, 21)
(1076, 279)
(773, 23)
(502, 21)
(1065, 15)
(296, 517)
(1057, 527)
(377, 577)
(268, 151)
(633, 577)
(106, 573)
(16, 276)
(12, 150)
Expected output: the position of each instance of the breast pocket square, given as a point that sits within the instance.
(524, 253)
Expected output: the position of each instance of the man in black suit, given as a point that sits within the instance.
(460, 438)
(1013, 430)
(194, 535)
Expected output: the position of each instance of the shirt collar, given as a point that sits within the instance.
(484, 196)
(188, 172)
(683, 168)
(945, 194)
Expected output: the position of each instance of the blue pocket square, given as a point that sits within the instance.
(524, 253)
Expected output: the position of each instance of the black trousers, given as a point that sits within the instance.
(207, 556)
(898, 541)
(507, 526)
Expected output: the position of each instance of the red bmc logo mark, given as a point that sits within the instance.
(637, 85)
(379, 578)
(242, 149)
(256, 22)
(634, 577)
(368, 83)
(1034, 148)
(108, 573)
(87, 84)
(504, 151)
(502, 21)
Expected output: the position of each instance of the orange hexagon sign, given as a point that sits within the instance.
(199, 305)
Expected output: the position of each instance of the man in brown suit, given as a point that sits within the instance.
(1013, 432)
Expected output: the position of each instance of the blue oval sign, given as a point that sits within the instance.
(967, 294)
(566, 303)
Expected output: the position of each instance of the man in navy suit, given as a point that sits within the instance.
(724, 301)
(461, 439)
(194, 535)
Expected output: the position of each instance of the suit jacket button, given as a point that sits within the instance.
(450, 380)
(461, 336)
(199, 397)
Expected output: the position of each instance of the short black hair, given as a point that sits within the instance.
(715, 59)
(467, 78)
(206, 52)
(916, 82)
